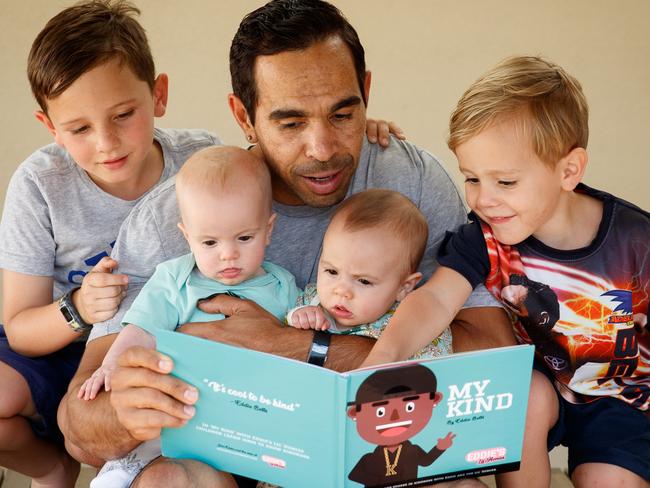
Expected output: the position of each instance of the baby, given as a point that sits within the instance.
(371, 252)
(224, 196)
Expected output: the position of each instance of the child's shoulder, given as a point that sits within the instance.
(619, 213)
(50, 160)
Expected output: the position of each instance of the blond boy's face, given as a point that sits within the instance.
(508, 186)
(105, 121)
(227, 231)
(360, 274)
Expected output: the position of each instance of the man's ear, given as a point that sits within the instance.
(241, 117)
(45, 120)
(182, 228)
(407, 285)
(572, 168)
(160, 94)
(269, 228)
(366, 87)
(352, 412)
(437, 398)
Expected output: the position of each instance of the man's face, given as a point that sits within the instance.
(391, 421)
(310, 121)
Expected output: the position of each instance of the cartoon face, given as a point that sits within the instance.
(393, 420)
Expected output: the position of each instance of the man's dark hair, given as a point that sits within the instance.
(287, 25)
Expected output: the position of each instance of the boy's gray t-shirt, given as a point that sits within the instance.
(150, 235)
(57, 222)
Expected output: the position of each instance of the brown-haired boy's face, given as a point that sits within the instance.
(508, 186)
(105, 121)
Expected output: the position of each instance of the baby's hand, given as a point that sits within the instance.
(379, 131)
(100, 378)
(310, 317)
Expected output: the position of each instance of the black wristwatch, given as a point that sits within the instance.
(71, 314)
(319, 348)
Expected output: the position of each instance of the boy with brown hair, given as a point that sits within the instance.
(92, 74)
(569, 263)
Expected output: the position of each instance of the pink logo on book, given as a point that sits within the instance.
(486, 456)
(274, 462)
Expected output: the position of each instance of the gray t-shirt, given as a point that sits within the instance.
(57, 222)
(150, 236)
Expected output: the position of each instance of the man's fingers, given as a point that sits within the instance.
(105, 265)
(226, 305)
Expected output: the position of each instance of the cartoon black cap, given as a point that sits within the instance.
(411, 379)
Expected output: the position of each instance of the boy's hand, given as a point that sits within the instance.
(101, 292)
(446, 442)
(98, 380)
(379, 130)
(310, 317)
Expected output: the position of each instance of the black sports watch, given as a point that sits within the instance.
(71, 314)
(319, 348)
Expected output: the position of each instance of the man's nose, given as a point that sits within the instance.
(394, 415)
(322, 141)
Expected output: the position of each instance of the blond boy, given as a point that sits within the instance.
(568, 261)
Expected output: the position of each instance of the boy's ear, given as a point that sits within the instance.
(160, 93)
(45, 120)
(573, 167)
(241, 117)
(352, 412)
(269, 228)
(407, 285)
(182, 228)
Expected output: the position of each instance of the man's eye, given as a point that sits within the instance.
(125, 115)
(410, 406)
(381, 411)
(245, 238)
(290, 125)
(342, 117)
(331, 271)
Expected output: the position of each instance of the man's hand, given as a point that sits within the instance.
(146, 397)
(446, 442)
(309, 317)
(101, 292)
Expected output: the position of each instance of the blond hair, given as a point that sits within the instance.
(223, 169)
(390, 210)
(547, 101)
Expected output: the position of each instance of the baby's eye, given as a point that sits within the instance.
(245, 238)
(209, 243)
(471, 181)
(381, 411)
(364, 281)
(331, 271)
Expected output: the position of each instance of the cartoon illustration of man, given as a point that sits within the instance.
(391, 406)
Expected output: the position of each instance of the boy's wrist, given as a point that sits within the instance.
(71, 314)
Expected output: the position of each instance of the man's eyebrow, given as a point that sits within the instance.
(408, 399)
(377, 404)
(286, 114)
(347, 102)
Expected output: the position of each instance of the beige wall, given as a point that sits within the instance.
(423, 54)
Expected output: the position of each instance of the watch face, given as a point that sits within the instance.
(66, 314)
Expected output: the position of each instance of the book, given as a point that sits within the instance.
(293, 424)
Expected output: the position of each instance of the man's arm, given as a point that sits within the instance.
(91, 427)
(481, 328)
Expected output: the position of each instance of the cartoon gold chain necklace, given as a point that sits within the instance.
(390, 468)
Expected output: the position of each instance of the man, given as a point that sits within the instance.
(300, 93)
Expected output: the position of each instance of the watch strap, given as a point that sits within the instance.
(319, 347)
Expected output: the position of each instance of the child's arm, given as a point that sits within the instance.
(308, 317)
(130, 336)
(421, 317)
(33, 322)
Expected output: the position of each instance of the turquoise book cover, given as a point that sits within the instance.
(404, 424)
